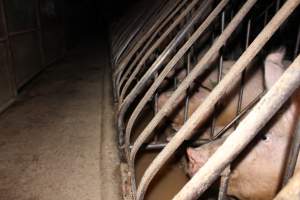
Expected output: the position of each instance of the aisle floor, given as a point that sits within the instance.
(57, 140)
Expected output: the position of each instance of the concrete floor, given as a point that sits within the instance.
(57, 142)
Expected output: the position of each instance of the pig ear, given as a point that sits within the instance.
(192, 155)
(276, 56)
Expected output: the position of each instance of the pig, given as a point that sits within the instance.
(256, 174)
(253, 87)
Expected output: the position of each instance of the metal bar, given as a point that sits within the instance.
(148, 43)
(137, 46)
(220, 71)
(137, 30)
(181, 52)
(188, 69)
(245, 132)
(161, 77)
(296, 50)
(146, 52)
(292, 156)
(266, 17)
(185, 133)
(278, 3)
(204, 110)
(171, 47)
(226, 173)
(238, 117)
(187, 98)
(241, 92)
(156, 66)
(266, 10)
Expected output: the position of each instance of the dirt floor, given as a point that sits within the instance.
(57, 142)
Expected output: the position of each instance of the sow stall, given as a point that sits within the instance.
(169, 50)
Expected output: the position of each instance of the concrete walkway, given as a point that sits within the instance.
(57, 142)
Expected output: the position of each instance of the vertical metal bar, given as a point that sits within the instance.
(241, 92)
(296, 50)
(266, 16)
(226, 173)
(220, 71)
(174, 83)
(155, 107)
(278, 3)
(293, 155)
(188, 68)
(187, 98)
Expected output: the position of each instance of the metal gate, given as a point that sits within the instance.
(170, 52)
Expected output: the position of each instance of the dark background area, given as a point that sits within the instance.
(88, 18)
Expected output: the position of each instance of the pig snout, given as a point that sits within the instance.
(196, 159)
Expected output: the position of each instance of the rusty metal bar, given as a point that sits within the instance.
(204, 110)
(146, 52)
(156, 65)
(292, 190)
(292, 156)
(246, 131)
(172, 63)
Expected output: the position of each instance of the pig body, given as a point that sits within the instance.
(254, 79)
(253, 87)
(257, 173)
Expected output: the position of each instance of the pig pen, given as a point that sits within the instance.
(187, 74)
